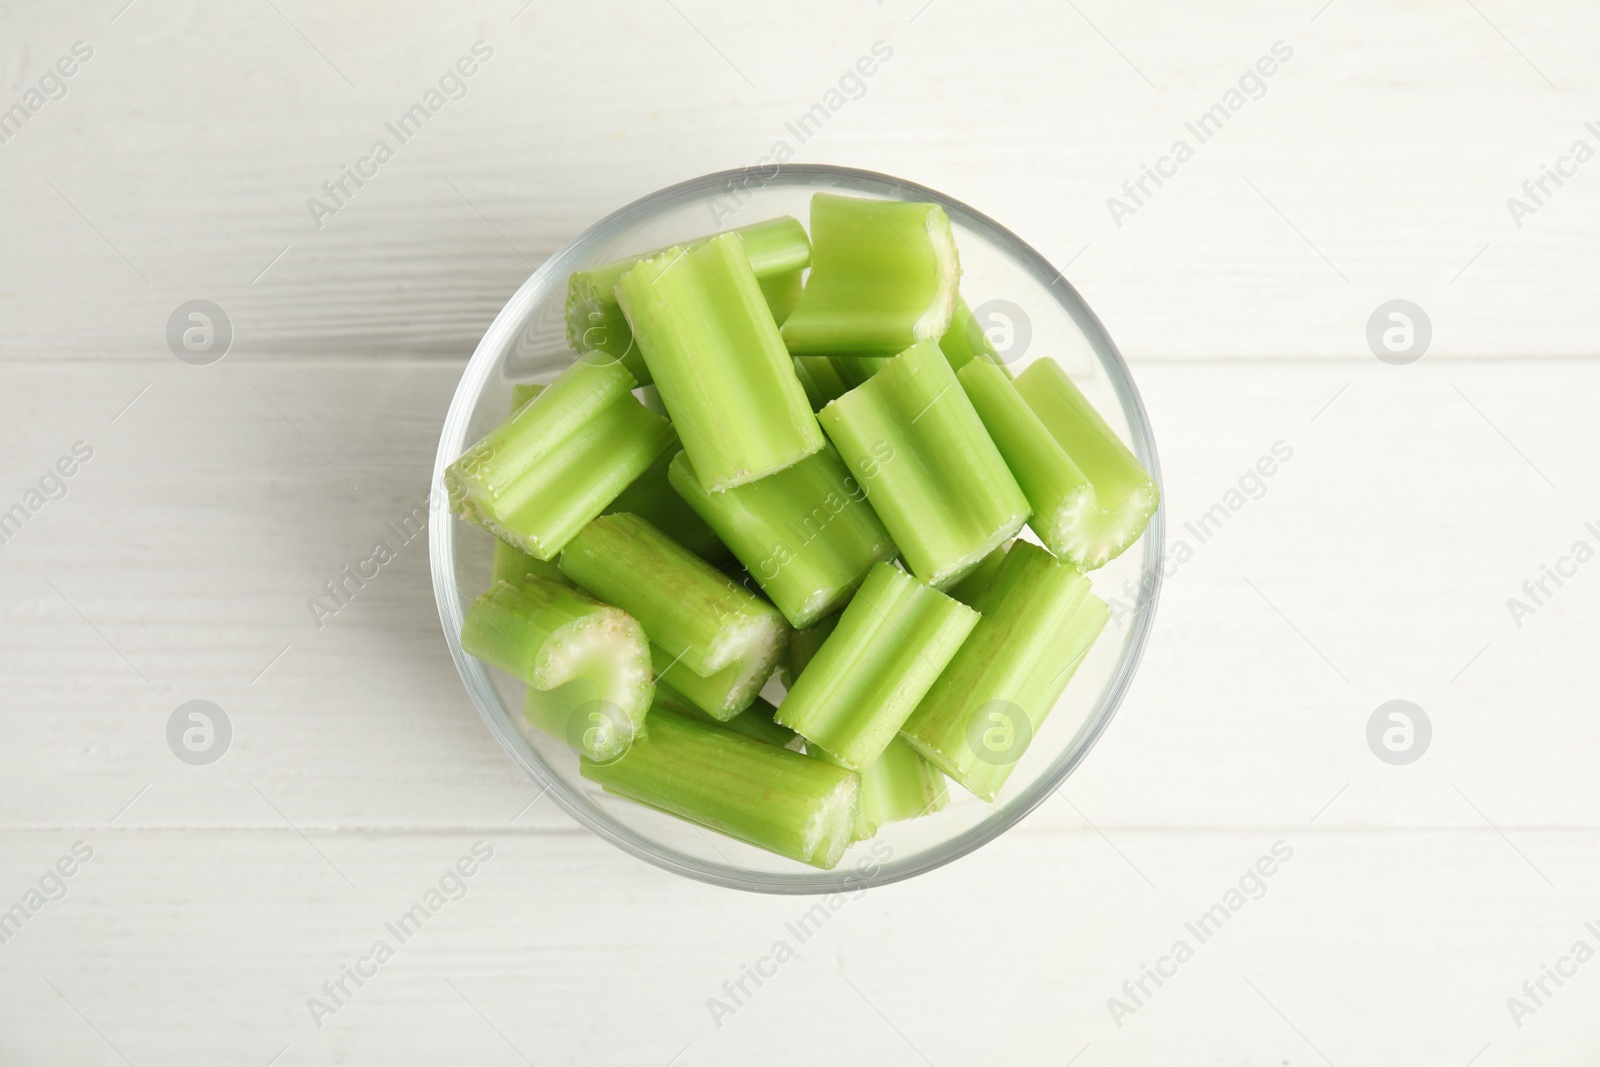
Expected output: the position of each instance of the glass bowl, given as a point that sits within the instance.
(1046, 317)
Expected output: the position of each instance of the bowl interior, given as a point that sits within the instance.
(1036, 314)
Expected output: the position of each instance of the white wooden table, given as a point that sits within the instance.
(175, 563)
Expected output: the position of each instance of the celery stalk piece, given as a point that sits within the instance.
(883, 277)
(577, 656)
(1125, 494)
(722, 695)
(968, 589)
(805, 533)
(521, 393)
(777, 249)
(803, 645)
(693, 611)
(1039, 621)
(768, 796)
(555, 464)
(1065, 513)
(514, 566)
(855, 370)
(898, 785)
(930, 470)
(889, 647)
(722, 370)
(966, 340)
(755, 721)
(652, 498)
(819, 377)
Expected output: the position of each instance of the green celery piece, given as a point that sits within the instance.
(819, 377)
(802, 649)
(930, 470)
(513, 565)
(899, 785)
(722, 370)
(857, 369)
(883, 277)
(1039, 622)
(1065, 513)
(689, 608)
(889, 647)
(966, 340)
(970, 588)
(805, 534)
(1125, 494)
(768, 796)
(652, 498)
(755, 721)
(777, 249)
(521, 393)
(538, 477)
(577, 656)
(723, 695)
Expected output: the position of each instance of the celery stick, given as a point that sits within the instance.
(897, 786)
(968, 589)
(691, 610)
(857, 369)
(803, 645)
(717, 359)
(1039, 621)
(890, 645)
(576, 655)
(777, 250)
(805, 533)
(819, 377)
(755, 721)
(722, 695)
(928, 466)
(966, 340)
(555, 464)
(1125, 494)
(1065, 514)
(883, 276)
(652, 498)
(768, 796)
(513, 565)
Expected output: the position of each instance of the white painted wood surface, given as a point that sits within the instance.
(1376, 565)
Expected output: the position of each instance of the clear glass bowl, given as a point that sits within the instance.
(526, 342)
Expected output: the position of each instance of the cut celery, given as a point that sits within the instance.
(777, 250)
(755, 721)
(652, 498)
(966, 340)
(819, 377)
(555, 464)
(805, 533)
(722, 370)
(802, 648)
(883, 276)
(694, 612)
(577, 656)
(1065, 514)
(1039, 621)
(722, 695)
(513, 565)
(930, 470)
(897, 786)
(767, 796)
(970, 588)
(890, 645)
(1125, 494)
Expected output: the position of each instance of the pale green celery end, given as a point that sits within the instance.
(557, 495)
(1059, 494)
(971, 587)
(820, 378)
(652, 498)
(805, 534)
(762, 794)
(803, 645)
(883, 276)
(721, 696)
(689, 608)
(1039, 620)
(1125, 494)
(513, 565)
(966, 340)
(930, 469)
(719, 363)
(888, 648)
(508, 625)
(754, 722)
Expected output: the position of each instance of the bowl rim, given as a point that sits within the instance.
(499, 338)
